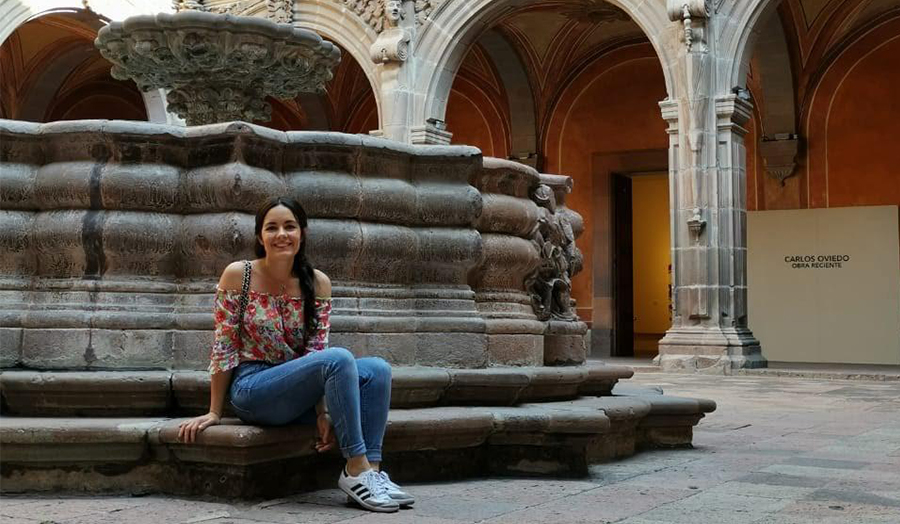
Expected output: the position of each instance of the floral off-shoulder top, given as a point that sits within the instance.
(272, 331)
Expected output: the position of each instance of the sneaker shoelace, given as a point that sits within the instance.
(376, 484)
(386, 481)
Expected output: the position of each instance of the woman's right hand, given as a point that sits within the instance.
(188, 429)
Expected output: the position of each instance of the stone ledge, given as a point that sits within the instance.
(144, 393)
(554, 438)
(86, 393)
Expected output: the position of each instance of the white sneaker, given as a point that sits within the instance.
(395, 492)
(367, 490)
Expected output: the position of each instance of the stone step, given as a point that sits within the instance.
(148, 393)
(139, 455)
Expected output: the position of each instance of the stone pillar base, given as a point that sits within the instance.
(564, 343)
(709, 350)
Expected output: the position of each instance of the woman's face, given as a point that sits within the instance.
(281, 234)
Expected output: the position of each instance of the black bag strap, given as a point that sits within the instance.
(245, 297)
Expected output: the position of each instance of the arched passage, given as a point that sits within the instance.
(586, 84)
(52, 71)
(334, 22)
(445, 38)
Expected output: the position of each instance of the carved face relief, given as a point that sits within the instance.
(393, 10)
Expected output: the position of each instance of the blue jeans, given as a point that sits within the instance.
(357, 393)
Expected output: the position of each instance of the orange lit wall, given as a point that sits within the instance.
(477, 109)
(850, 127)
(611, 106)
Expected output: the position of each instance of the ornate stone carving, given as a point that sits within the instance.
(188, 5)
(372, 12)
(392, 45)
(216, 67)
(550, 285)
(424, 8)
(595, 12)
(779, 157)
(278, 11)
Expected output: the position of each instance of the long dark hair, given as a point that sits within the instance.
(301, 268)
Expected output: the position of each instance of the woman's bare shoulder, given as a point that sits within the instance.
(232, 277)
(323, 285)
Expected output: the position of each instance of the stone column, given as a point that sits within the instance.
(158, 108)
(708, 210)
(396, 70)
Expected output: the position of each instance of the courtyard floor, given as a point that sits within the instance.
(777, 450)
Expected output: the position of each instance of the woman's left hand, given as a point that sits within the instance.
(326, 439)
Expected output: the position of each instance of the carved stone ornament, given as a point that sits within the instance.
(392, 45)
(693, 14)
(217, 68)
(779, 157)
(695, 225)
(278, 11)
(373, 13)
(550, 286)
(595, 12)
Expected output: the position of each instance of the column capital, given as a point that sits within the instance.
(736, 108)
(433, 132)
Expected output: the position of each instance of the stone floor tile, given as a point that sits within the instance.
(848, 512)
(48, 509)
(695, 475)
(781, 480)
(17, 520)
(827, 463)
(638, 520)
(762, 490)
(874, 486)
(718, 508)
(159, 510)
(228, 520)
(807, 471)
(401, 517)
(604, 504)
(300, 513)
(458, 507)
(855, 497)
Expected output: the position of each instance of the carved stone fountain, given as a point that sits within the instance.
(113, 233)
(217, 67)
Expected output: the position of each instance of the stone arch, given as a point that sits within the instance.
(779, 114)
(739, 39)
(16, 13)
(339, 24)
(454, 26)
(62, 60)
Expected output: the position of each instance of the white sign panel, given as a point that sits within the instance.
(824, 284)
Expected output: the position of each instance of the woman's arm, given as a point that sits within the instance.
(188, 430)
(222, 354)
(218, 387)
(323, 284)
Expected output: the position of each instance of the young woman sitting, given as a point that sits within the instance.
(271, 358)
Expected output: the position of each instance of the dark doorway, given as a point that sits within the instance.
(623, 267)
(640, 263)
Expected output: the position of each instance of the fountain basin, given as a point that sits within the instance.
(113, 235)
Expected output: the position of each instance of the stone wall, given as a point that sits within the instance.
(113, 234)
